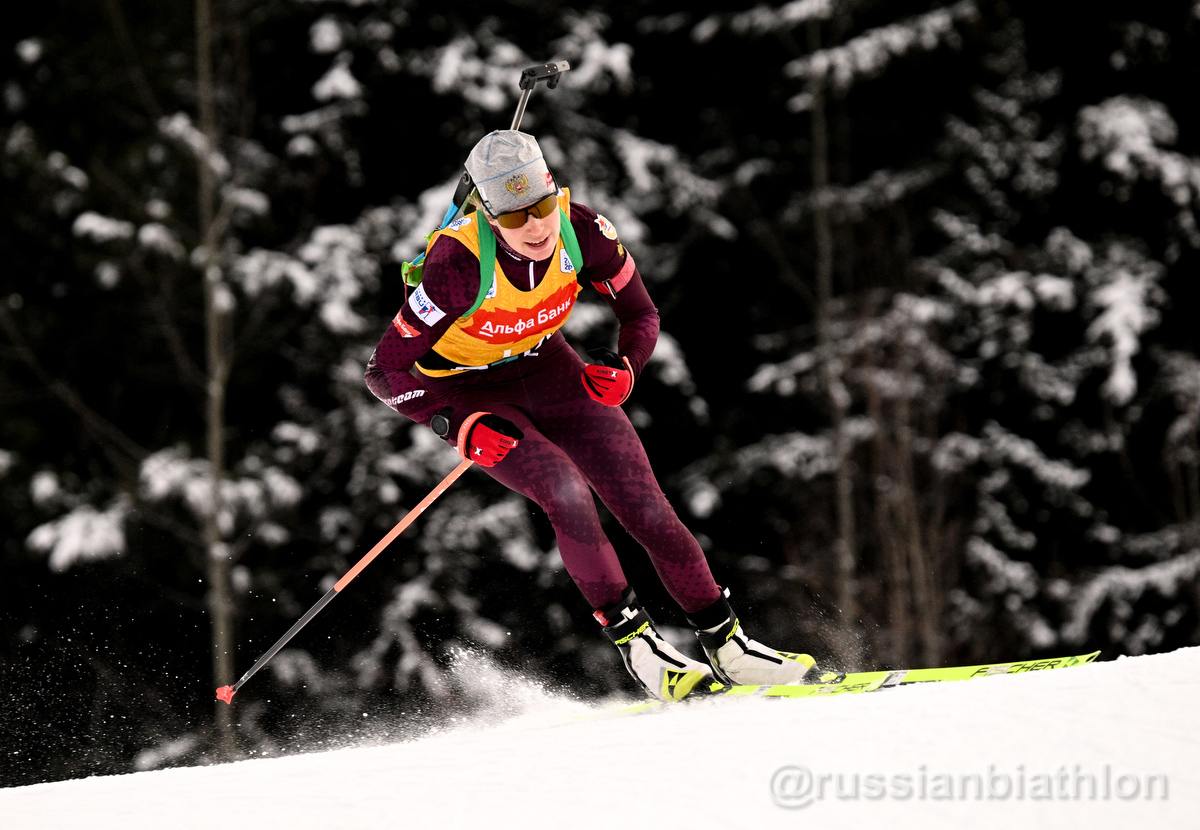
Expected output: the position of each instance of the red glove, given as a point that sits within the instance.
(486, 438)
(610, 379)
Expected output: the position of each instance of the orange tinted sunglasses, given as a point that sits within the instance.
(515, 219)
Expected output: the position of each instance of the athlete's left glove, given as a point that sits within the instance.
(486, 438)
(610, 379)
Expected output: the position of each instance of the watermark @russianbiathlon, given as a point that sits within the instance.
(797, 787)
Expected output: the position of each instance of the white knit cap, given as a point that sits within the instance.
(508, 171)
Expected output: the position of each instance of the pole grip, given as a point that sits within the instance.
(548, 72)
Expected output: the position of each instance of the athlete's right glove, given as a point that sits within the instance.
(610, 379)
(486, 438)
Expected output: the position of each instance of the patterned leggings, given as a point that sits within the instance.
(573, 446)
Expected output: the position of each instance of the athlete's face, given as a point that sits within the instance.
(535, 239)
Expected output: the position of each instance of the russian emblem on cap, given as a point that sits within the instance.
(517, 185)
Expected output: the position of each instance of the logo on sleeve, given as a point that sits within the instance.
(407, 396)
(606, 227)
(404, 328)
(425, 308)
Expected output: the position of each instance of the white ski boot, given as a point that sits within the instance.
(658, 667)
(738, 660)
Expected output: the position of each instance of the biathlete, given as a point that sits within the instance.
(482, 362)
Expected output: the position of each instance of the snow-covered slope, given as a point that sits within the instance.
(1112, 744)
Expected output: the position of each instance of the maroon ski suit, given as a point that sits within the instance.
(573, 444)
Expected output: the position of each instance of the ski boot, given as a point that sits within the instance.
(736, 659)
(657, 666)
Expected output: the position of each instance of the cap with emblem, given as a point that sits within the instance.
(509, 171)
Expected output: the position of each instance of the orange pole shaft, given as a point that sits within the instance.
(402, 525)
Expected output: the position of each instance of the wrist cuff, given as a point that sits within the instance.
(465, 430)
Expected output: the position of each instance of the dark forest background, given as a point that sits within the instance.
(928, 389)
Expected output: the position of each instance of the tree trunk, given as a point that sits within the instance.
(220, 594)
(922, 567)
(894, 567)
(845, 547)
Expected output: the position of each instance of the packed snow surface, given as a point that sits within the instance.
(1112, 744)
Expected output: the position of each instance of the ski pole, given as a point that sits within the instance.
(226, 693)
(548, 72)
(531, 76)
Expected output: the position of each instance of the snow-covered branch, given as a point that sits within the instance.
(82, 535)
(180, 128)
(869, 54)
(763, 20)
(1127, 135)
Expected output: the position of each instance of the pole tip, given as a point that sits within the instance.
(225, 694)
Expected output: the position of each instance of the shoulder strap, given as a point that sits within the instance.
(570, 242)
(487, 256)
(487, 265)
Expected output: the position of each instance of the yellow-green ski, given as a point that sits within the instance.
(851, 683)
